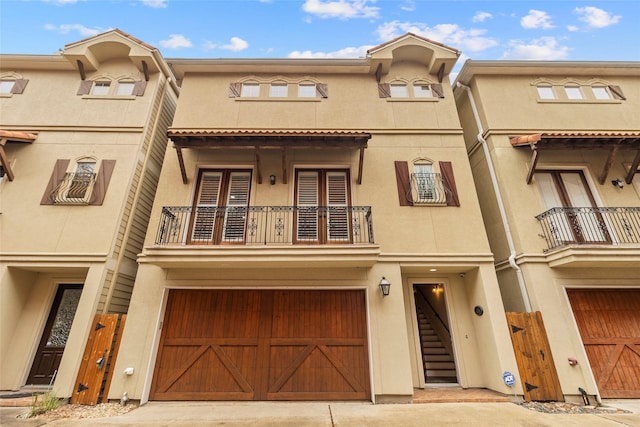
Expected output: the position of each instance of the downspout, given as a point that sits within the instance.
(496, 189)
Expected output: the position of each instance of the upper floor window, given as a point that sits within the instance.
(546, 92)
(425, 186)
(10, 85)
(399, 90)
(251, 90)
(278, 90)
(100, 88)
(573, 92)
(83, 182)
(306, 90)
(105, 87)
(6, 86)
(421, 90)
(601, 92)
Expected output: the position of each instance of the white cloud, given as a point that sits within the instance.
(481, 16)
(536, 19)
(81, 29)
(346, 53)
(62, 2)
(408, 5)
(342, 9)
(158, 4)
(236, 44)
(544, 48)
(572, 28)
(176, 41)
(450, 34)
(596, 18)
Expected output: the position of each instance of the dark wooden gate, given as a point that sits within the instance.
(609, 324)
(96, 370)
(262, 345)
(533, 355)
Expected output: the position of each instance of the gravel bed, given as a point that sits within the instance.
(570, 408)
(101, 410)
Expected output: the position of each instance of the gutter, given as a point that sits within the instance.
(496, 189)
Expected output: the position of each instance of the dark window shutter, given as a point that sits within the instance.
(139, 87)
(235, 89)
(19, 85)
(404, 187)
(102, 182)
(449, 183)
(384, 90)
(85, 87)
(59, 170)
(617, 92)
(437, 89)
(322, 90)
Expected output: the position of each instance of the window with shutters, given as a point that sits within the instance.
(107, 87)
(415, 90)
(220, 207)
(570, 90)
(12, 84)
(425, 187)
(308, 89)
(81, 182)
(322, 206)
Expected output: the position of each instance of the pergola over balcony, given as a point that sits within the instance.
(610, 141)
(258, 140)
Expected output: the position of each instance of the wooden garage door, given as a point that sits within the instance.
(262, 345)
(609, 323)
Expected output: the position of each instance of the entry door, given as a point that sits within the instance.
(569, 189)
(220, 207)
(55, 335)
(322, 206)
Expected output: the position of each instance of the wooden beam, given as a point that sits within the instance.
(534, 163)
(441, 73)
(284, 166)
(145, 70)
(258, 171)
(634, 168)
(608, 163)
(183, 171)
(5, 161)
(379, 72)
(83, 75)
(360, 164)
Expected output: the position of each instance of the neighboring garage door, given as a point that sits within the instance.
(609, 323)
(263, 345)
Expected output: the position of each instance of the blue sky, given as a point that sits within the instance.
(514, 29)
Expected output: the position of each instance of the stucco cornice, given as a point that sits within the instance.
(34, 62)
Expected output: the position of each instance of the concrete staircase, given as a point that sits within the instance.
(439, 366)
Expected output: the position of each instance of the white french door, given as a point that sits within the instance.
(322, 208)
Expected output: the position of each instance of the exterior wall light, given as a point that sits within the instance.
(272, 179)
(385, 286)
(618, 183)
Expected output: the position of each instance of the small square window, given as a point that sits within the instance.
(573, 92)
(422, 91)
(250, 90)
(399, 91)
(125, 88)
(601, 92)
(546, 92)
(100, 88)
(6, 86)
(278, 90)
(307, 91)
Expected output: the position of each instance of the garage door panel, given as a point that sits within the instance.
(609, 324)
(273, 345)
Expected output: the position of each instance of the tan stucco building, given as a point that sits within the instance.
(291, 191)
(555, 150)
(83, 136)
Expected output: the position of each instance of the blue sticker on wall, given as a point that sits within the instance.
(508, 378)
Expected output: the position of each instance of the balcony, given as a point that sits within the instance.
(428, 189)
(591, 236)
(74, 189)
(265, 225)
(263, 237)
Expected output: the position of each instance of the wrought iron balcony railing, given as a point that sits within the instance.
(427, 189)
(590, 226)
(74, 189)
(265, 225)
